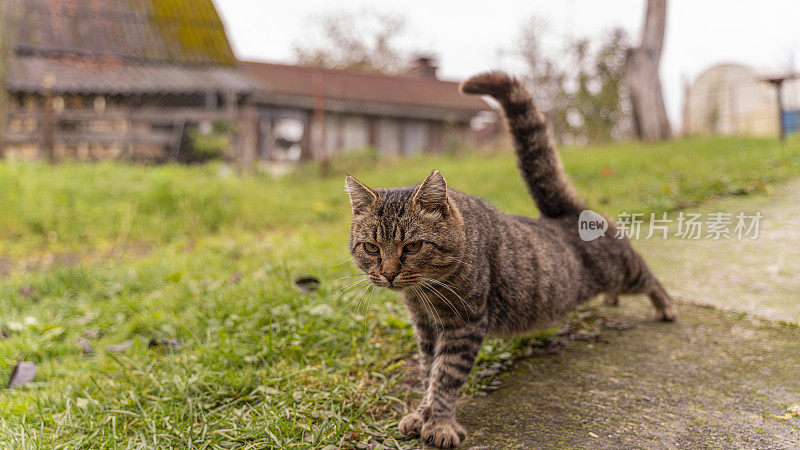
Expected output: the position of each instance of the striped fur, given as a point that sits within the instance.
(477, 271)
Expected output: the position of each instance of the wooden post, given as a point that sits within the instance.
(9, 13)
(47, 128)
(265, 125)
(5, 51)
(309, 136)
(781, 121)
(320, 152)
(778, 83)
(247, 138)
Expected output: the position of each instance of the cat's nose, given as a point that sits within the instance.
(390, 276)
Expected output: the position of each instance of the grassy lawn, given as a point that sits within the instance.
(113, 252)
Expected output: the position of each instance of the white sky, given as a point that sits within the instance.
(700, 33)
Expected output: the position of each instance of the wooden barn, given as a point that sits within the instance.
(312, 113)
(97, 79)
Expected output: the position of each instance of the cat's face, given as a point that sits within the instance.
(405, 236)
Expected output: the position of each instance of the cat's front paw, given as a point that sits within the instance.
(411, 424)
(443, 433)
(668, 314)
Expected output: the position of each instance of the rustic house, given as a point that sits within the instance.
(95, 79)
(733, 99)
(307, 113)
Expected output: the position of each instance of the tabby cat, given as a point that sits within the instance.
(465, 269)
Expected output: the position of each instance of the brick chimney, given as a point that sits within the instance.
(423, 67)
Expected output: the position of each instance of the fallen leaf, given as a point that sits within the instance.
(165, 342)
(119, 347)
(85, 345)
(307, 284)
(24, 372)
(593, 435)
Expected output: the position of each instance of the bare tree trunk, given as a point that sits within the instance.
(644, 83)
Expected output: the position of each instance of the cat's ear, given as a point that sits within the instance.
(361, 196)
(431, 195)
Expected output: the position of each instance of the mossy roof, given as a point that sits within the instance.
(185, 32)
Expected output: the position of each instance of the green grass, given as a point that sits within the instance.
(210, 258)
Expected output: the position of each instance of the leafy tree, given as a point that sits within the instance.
(581, 89)
(362, 40)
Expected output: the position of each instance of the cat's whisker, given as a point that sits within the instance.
(450, 305)
(339, 212)
(460, 261)
(366, 309)
(447, 286)
(347, 276)
(361, 297)
(357, 299)
(432, 308)
(354, 298)
(344, 261)
(421, 297)
(350, 286)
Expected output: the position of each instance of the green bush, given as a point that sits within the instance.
(204, 147)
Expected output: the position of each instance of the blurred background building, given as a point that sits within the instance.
(734, 99)
(157, 80)
(94, 79)
(351, 109)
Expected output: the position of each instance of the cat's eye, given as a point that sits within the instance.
(371, 248)
(413, 247)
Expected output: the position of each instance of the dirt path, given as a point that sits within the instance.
(761, 277)
(711, 380)
(714, 379)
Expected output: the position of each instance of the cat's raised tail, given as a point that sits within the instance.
(537, 157)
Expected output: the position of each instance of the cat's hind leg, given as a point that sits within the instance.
(610, 299)
(664, 304)
(640, 280)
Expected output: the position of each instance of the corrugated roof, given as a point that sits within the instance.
(91, 75)
(186, 32)
(363, 88)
